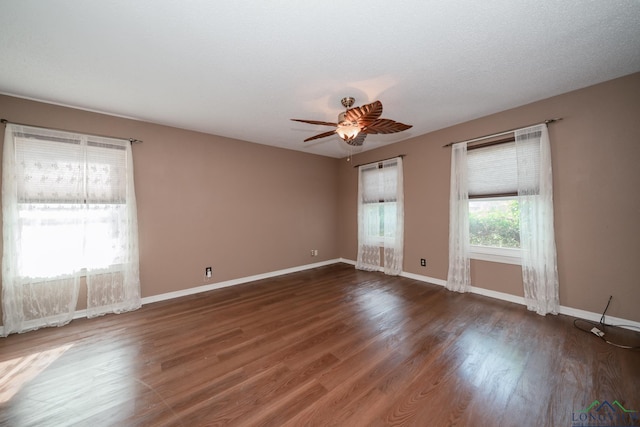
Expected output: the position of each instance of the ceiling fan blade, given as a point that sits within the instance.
(385, 126)
(358, 140)
(321, 135)
(365, 114)
(315, 122)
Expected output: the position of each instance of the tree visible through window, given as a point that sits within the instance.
(494, 222)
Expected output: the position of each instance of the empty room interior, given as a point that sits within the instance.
(191, 237)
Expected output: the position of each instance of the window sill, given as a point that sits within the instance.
(501, 255)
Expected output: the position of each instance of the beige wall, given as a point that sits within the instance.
(596, 172)
(247, 209)
(203, 200)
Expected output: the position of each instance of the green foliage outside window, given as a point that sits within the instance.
(494, 223)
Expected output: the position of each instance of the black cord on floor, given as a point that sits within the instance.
(599, 332)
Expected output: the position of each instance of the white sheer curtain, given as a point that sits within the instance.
(113, 286)
(28, 301)
(381, 216)
(68, 210)
(459, 276)
(537, 239)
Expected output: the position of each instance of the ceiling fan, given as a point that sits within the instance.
(356, 123)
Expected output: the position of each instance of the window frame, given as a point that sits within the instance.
(378, 239)
(379, 201)
(87, 202)
(494, 253)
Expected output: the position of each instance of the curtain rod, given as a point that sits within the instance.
(378, 161)
(506, 132)
(131, 140)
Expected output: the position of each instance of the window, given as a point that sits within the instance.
(494, 222)
(379, 199)
(494, 214)
(71, 204)
(494, 229)
(498, 171)
(68, 211)
(381, 216)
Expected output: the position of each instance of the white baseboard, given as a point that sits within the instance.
(569, 311)
(79, 314)
(595, 317)
(233, 282)
(422, 278)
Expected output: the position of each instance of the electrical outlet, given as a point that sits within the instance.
(314, 252)
(423, 262)
(208, 272)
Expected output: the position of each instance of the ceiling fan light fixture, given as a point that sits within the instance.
(347, 130)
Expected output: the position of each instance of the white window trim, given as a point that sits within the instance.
(495, 254)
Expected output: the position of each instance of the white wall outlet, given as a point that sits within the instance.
(314, 252)
(208, 272)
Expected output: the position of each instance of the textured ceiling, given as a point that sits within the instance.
(242, 69)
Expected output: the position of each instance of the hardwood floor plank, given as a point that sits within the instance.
(328, 346)
(331, 408)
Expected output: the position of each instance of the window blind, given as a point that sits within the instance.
(379, 184)
(67, 168)
(493, 171)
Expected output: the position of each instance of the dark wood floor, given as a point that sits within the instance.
(329, 346)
